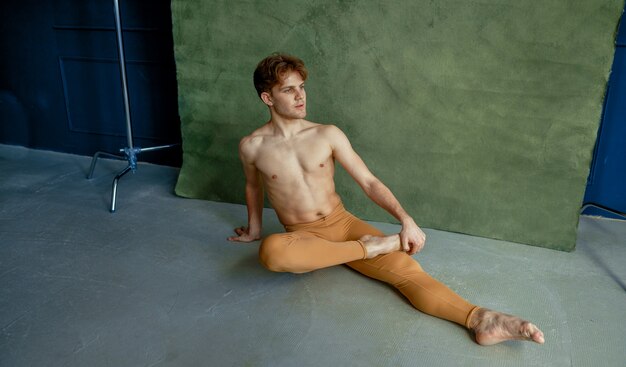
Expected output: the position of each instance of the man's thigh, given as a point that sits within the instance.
(357, 228)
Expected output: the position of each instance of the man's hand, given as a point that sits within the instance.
(244, 235)
(412, 238)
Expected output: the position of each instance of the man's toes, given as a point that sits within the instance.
(532, 332)
(537, 335)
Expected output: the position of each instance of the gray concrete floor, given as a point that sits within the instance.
(157, 284)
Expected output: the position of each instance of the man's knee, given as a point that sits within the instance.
(272, 253)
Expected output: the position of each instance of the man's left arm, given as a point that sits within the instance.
(412, 237)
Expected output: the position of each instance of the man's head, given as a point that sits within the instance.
(273, 69)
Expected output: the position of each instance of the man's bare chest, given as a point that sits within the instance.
(293, 161)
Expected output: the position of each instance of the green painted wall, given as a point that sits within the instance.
(480, 115)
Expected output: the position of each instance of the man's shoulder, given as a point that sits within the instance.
(255, 137)
(261, 130)
(331, 132)
(327, 129)
(249, 144)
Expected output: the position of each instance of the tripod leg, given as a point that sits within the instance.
(114, 191)
(94, 160)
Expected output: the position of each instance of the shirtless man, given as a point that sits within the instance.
(294, 161)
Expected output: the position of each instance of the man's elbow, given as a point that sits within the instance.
(371, 185)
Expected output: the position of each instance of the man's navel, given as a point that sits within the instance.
(274, 177)
(321, 164)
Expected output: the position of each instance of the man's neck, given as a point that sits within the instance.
(286, 127)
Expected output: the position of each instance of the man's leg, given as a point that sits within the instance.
(423, 291)
(300, 252)
(320, 244)
(404, 273)
(333, 244)
(432, 297)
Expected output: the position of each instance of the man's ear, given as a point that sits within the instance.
(267, 99)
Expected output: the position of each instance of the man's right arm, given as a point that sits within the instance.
(254, 196)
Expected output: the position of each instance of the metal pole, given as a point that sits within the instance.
(120, 49)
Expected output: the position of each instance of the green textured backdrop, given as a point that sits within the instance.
(481, 116)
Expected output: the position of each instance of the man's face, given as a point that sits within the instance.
(289, 98)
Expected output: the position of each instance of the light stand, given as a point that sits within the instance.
(130, 152)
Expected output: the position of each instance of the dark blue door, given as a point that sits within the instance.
(607, 179)
(60, 86)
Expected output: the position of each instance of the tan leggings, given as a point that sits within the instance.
(333, 240)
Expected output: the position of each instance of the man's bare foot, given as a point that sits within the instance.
(375, 245)
(491, 327)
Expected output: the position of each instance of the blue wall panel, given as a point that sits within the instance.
(607, 178)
